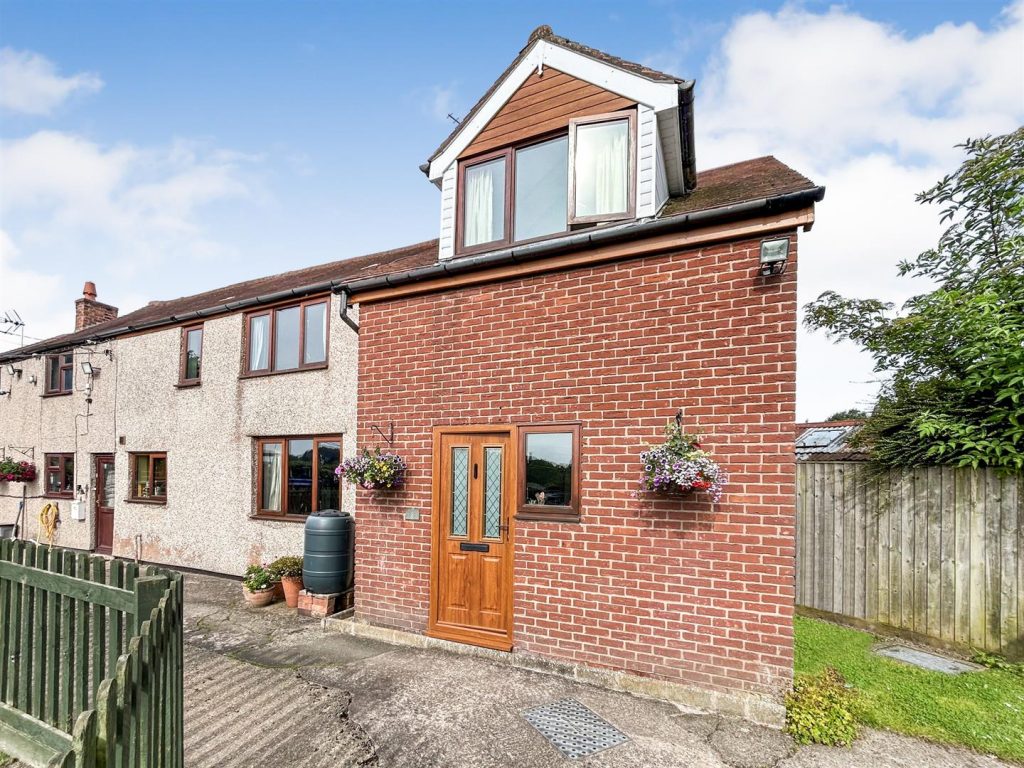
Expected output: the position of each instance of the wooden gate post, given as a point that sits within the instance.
(148, 591)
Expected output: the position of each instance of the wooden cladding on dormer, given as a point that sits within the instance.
(544, 103)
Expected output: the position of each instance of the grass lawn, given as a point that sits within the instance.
(981, 710)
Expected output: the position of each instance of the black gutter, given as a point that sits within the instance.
(590, 238)
(199, 314)
(513, 255)
(689, 154)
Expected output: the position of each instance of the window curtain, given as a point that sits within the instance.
(258, 343)
(601, 165)
(479, 211)
(272, 477)
(610, 173)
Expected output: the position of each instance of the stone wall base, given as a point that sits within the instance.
(758, 709)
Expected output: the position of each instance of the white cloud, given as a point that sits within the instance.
(439, 101)
(109, 214)
(18, 281)
(873, 114)
(30, 83)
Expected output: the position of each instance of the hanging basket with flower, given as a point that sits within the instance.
(680, 465)
(17, 471)
(374, 470)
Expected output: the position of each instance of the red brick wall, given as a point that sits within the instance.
(672, 589)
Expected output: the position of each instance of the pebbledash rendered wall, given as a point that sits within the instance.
(675, 590)
(32, 425)
(207, 433)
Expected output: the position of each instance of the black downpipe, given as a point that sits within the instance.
(346, 304)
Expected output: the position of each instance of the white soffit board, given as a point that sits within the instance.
(657, 95)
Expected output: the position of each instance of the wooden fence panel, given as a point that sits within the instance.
(91, 656)
(937, 551)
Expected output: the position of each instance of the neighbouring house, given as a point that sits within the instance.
(196, 432)
(828, 441)
(587, 285)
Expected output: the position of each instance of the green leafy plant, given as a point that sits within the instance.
(952, 358)
(258, 577)
(289, 565)
(373, 470)
(995, 661)
(819, 710)
(680, 465)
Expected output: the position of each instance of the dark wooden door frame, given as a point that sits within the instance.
(100, 459)
(447, 632)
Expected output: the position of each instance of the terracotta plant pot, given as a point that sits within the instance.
(291, 585)
(260, 597)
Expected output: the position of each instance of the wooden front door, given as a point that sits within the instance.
(104, 504)
(471, 568)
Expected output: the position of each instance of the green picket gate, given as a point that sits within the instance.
(91, 660)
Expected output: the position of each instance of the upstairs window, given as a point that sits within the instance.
(60, 475)
(191, 354)
(602, 182)
(542, 192)
(542, 188)
(287, 338)
(60, 374)
(484, 192)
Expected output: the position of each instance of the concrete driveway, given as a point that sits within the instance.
(265, 687)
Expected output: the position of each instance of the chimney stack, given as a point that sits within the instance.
(88, 311)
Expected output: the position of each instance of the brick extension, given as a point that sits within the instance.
(675, 590)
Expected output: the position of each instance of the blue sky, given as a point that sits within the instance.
(173, 147)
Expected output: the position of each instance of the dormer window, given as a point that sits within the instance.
(526, 191)
(601, 149)
(484, 193)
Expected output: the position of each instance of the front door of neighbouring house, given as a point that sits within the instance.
(471, 578)
(104, 503)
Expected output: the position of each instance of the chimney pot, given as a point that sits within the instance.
(88, 311)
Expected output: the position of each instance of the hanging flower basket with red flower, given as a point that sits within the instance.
(17, 471)
(374, 471)
(680, 465)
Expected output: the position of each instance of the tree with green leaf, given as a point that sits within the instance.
(953, 358)
(850, 414)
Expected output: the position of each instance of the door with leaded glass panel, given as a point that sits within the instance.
(471, 584)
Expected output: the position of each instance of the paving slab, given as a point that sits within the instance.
(267, 687)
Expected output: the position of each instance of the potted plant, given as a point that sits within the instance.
(680, 465)
(373, 470)
(17, 471)
(259, 586)
(289, 570)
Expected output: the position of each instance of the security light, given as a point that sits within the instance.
(12, 371)
(774, 254)
(87, 368)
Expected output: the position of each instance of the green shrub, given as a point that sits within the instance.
(820, 710)
(995, 661)
(289, 565)
(258, 577)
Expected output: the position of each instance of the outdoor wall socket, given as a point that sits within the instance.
(411, 513)
(77, 511)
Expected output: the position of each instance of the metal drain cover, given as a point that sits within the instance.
(574, 729)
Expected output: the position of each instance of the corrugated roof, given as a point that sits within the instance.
(827, 441)
(716, 187)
